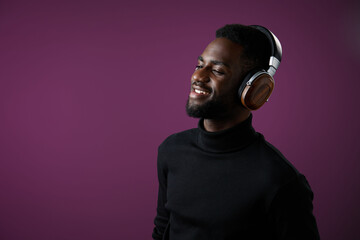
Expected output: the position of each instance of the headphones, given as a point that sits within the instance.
(258, 84)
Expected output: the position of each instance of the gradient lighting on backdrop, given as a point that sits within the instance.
(89, 89)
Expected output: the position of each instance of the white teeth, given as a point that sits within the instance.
(200, 92)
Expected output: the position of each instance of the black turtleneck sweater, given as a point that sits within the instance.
(230, 185)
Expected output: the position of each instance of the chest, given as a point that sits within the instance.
(215, 189)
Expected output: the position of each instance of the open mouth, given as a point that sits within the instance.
(202, 92)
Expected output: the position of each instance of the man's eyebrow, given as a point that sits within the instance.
(215, 62)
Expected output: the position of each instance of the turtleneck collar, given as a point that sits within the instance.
(227, 140)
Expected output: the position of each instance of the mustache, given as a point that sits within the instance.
(201, 85)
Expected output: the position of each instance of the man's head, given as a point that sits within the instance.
(255, 44)
(236, 50)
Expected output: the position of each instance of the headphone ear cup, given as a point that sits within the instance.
(256, 90)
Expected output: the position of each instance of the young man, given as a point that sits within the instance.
(222, 180)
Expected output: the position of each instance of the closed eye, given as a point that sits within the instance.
(218, 72)
(198, 67)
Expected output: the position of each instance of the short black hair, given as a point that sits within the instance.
(256, 53)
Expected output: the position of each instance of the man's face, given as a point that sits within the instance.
(216, 80)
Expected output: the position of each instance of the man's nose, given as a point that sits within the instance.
(201, 75)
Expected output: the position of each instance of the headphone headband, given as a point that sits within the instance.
(275, 47)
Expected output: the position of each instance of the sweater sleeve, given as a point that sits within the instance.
(290, 213)
(162, 216)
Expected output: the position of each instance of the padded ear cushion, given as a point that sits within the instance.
(254, 94)
(246, 79)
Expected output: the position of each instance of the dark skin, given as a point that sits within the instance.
(218, 75)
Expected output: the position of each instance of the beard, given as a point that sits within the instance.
(212, 109)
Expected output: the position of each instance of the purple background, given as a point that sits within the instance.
(88, 90)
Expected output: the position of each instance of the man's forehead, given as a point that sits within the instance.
(222, 49)
(215, 62)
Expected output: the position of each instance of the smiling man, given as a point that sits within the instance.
(222, 180)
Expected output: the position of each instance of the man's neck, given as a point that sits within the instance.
(215, 125)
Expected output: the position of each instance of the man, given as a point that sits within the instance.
(222, 180)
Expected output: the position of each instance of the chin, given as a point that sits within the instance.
(209, 110)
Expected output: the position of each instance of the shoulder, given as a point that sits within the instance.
(275, 169)
(174, 145)
(178, 138)
(281, 174)
(276, 160)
